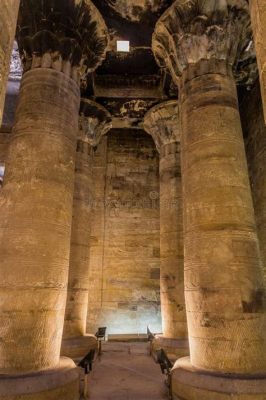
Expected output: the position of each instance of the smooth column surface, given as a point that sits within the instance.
(258, 19)
(76, 343)
(171, 244)
(35, 222)
(8, 21)
(224, 286)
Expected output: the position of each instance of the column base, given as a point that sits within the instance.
(77, 347)
(174, 348)
(189, 383)
(54, 384)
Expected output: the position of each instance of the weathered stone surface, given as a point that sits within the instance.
(255, 134)
(223, 269)
(94, 121)
(163, 123)
(71, 38)
(59, 383)
(200, 43)
(37, 195)
(97, 237)
(77, 347)
(258, 18)
(8, 20)
(125, 236)
(174, 348)
(5, 137)
(190, 31)
(77, 296)
(194, 384)
(138, 10)
(35, 223)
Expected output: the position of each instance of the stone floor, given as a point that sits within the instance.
(125, 371)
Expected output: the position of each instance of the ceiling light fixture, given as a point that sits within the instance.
(123, 46)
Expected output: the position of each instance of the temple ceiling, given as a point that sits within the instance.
(126, 84)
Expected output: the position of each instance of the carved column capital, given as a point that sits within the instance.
(68, 36)
(94, 122)
(194, 30)
(162, 123)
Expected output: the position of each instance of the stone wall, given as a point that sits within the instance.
(254, 130)
(125, 263)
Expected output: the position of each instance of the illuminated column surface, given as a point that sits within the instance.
(162, 122)
(258, 18)
(94, 122)
(36, 205)
(201, 44)
(8, 22)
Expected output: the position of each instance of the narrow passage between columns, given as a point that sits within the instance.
(125, 371)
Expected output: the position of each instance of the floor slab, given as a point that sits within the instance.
(125, 371)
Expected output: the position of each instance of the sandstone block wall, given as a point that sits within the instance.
(125, 249)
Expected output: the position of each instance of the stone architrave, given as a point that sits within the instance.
(162, 123)
(94, 122)
(203, 45)
(258, 19)
(37, 197)
(8, 22)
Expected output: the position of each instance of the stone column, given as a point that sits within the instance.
(258, 18)
(5, 137)
(36, 214)
(162, 122)
(254, 131)
(224, 286)
(8, 22)
(95, 121)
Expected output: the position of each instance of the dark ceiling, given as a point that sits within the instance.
(128, 84)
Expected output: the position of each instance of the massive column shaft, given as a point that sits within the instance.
(224, 283)
(36, 221)
(76, 311)
(171, 240)
(224, 286)
(95, 121)
(254, 131)
(258, 18)
(36, 215)
(8, 21)
(162, 122)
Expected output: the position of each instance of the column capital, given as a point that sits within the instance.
(94, 122)
(68, 36)
(162, 123)
(194, 30)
